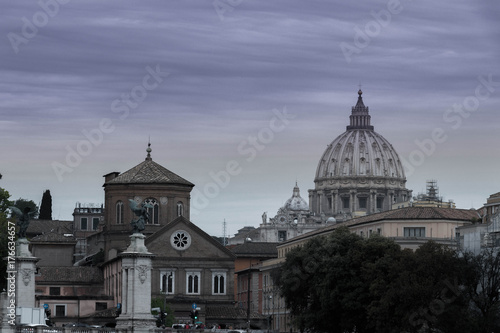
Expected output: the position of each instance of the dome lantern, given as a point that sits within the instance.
(360, 118)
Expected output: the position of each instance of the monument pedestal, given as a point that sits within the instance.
(25, 274)
(136, 287)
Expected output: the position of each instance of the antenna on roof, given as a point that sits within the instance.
(224, 234)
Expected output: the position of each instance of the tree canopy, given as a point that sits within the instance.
(345, 283)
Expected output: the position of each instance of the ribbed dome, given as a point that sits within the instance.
(360, 152)
(359, 173)
(296, 202)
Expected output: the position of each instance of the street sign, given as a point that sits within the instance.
(194, 306)
(45, 306)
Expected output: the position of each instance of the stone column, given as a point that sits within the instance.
(25, 265)
(136, 287)
(7, 315)
(334, 202)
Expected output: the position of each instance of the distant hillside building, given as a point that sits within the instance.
(88, 219)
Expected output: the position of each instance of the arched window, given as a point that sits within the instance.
(219, 283)
(167, 281)
(154, 213)
(180, 209)
(119, 212)
(193, 282)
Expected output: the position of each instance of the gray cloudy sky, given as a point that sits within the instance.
(259, 87)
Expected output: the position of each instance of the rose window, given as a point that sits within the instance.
(180, 240)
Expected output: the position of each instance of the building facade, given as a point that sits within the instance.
(149, 183)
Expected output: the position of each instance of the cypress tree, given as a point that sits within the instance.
(46, 206)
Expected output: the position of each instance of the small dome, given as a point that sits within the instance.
(296, 202)
(331, 220)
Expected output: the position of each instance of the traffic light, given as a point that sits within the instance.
(195, 314)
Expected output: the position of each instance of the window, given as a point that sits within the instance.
(55, 291)
(119, 212)
(60, 310)
(180, 240)
(282, 235)
(219, 283)
(380, 202)
(193, 282)
(99, 306)
(362, 202)
(414, 232)
(167, 282)
(154, 212)
(95, 223)
(83, 223)
(180, 209)
(345, 202)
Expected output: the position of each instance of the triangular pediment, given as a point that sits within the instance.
(183, 239)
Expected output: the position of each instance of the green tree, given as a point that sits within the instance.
(326, 282)
(23, 203)
(46, 206)
(484, 290)
(422, 292)
(158, 302)
(345, 283)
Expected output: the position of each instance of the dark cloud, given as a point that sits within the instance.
(227, 72)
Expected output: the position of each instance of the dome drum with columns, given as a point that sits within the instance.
(359, 173)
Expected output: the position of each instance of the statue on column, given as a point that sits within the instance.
(23, 219)
(141, 211)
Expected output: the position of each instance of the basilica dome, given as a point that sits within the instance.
(360, 172)
(360, 153)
